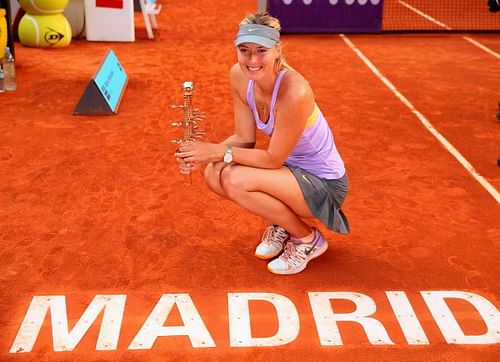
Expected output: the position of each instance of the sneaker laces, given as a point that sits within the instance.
(267, 238)
(280, 234)
(274, 234)
(291, 256)
(290, 249)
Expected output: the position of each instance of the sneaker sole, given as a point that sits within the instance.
(296, 271)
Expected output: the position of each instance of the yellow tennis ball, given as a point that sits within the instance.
(44, 31)
(43, 7)
(3, 32)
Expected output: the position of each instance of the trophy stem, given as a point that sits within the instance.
(188, 180)
(190, 121)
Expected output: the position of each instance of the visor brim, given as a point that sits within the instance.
(255, 39)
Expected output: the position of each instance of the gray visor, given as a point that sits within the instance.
(257, 34)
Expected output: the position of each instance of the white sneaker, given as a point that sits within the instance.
(295, 257)
(272, 242)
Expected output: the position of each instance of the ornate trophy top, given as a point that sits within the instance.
(188, 87)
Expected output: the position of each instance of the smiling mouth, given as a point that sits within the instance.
(254, 69)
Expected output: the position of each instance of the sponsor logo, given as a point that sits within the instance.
(52, 36)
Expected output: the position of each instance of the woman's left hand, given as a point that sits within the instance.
(201, 152)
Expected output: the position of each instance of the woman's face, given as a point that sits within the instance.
(256, 61)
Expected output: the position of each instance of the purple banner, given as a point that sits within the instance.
(328, 16)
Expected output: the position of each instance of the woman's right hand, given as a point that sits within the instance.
(186, 167)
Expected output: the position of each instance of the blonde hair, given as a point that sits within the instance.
(264, 18)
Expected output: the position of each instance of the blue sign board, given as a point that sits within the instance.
(111, 80)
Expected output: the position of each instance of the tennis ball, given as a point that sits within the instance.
(3, 31)
(44, 31)
(43, 7)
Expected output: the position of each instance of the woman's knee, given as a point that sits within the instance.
(232, 181)
(212, 178)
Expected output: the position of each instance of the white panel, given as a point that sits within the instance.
(107, 24)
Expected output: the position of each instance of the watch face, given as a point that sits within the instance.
(228, 156)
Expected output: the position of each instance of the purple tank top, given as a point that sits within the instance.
(315, 151)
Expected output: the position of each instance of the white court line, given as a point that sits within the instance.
(443, 25)
(424, 15)
(428, 125)
(481, 46)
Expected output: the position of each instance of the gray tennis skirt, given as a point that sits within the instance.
(324, 198)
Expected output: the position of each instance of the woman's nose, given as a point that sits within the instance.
(253, 56)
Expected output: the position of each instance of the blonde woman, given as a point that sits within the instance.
(299, 176)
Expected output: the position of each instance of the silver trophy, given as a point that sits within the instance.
(190, 124)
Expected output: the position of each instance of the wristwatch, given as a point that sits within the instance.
(228, 155)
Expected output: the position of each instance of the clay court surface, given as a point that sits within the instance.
(95, 205)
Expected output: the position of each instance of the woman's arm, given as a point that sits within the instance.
(198, 152)
(294, 105)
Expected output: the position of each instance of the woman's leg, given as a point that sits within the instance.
(212, 177)
(273, 194)
(273, 239)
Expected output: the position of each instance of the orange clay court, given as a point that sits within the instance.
(107, 256)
